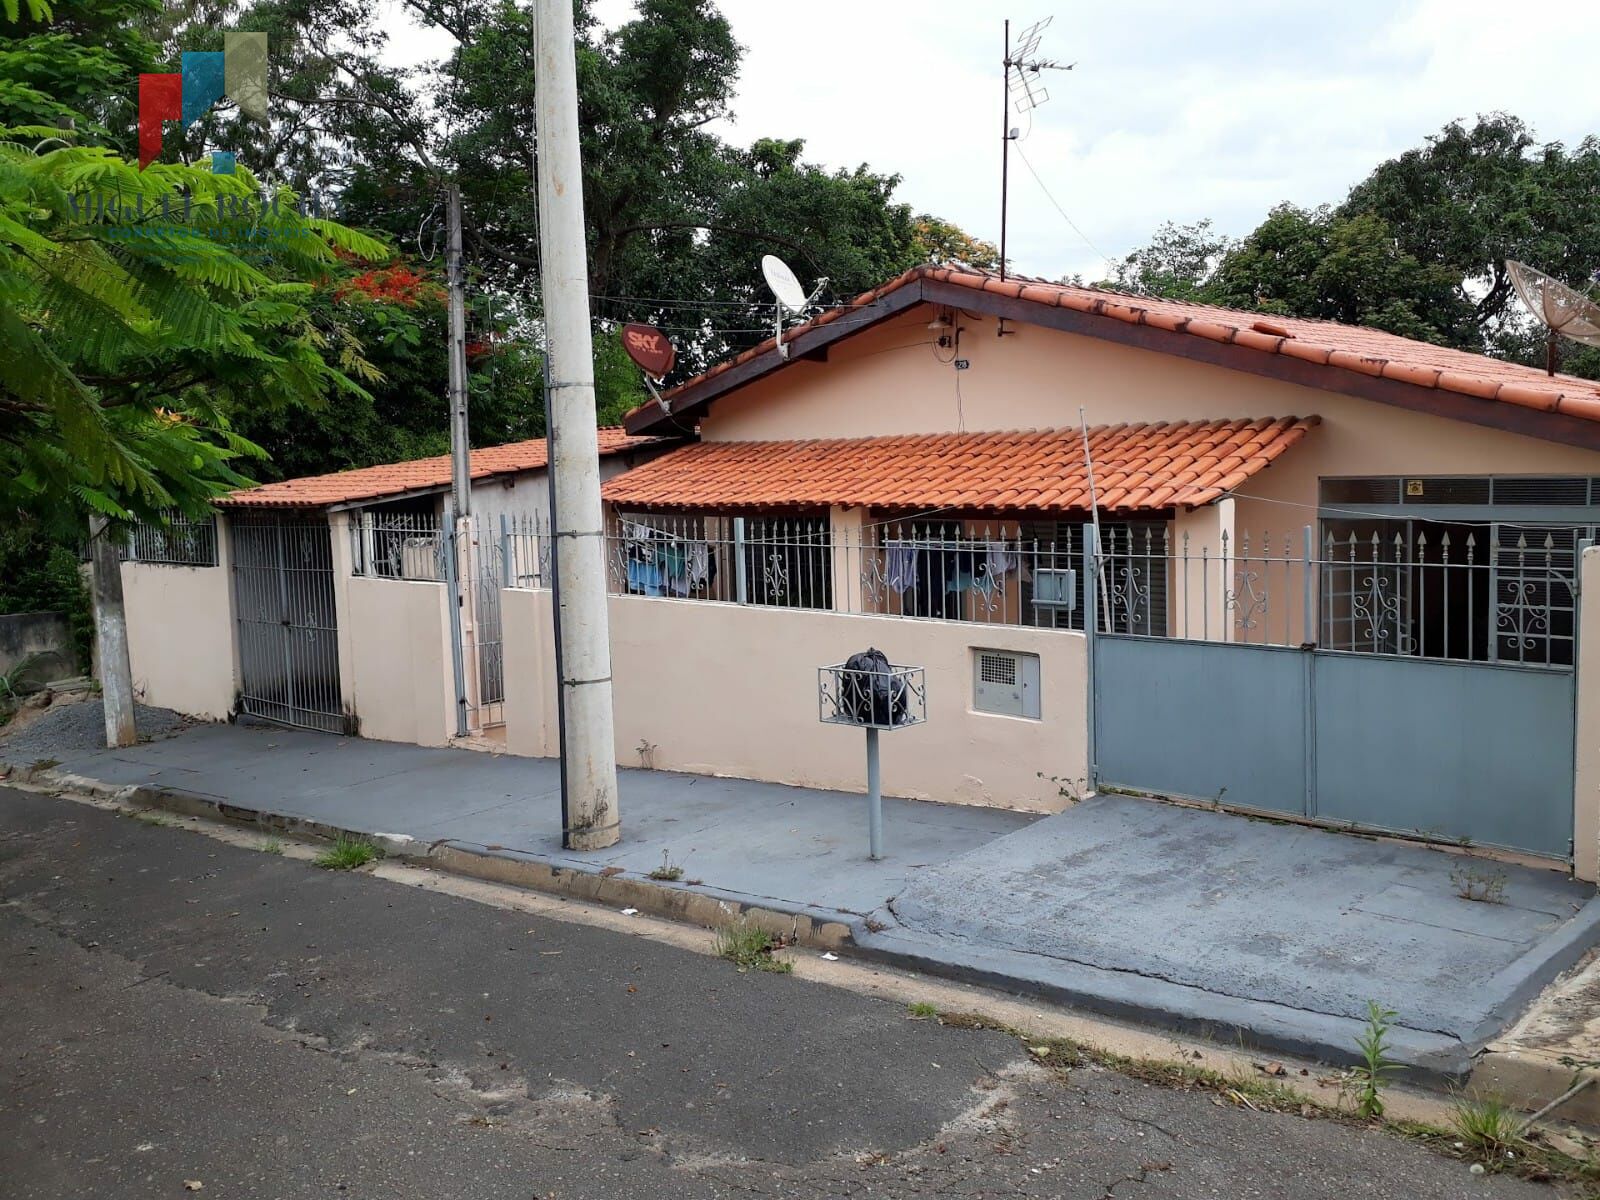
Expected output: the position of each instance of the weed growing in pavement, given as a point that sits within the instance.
(152, 818)
(923, 1011)
(1535, 1158)
(1474, 881)
(271, 846)
(1070, 790)
(669, 871)
(1371, 1076)
(44, 764)
(1487, 1124)
(347, 853)
(750, 948)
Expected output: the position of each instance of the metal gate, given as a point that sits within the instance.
(288, 628)
(1472, 750)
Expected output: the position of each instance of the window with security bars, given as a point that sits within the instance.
(1134, 557)
(777, 561)
(1492, 591)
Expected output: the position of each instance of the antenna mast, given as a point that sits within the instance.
(1028, 96)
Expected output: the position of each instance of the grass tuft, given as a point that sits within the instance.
(1487, 1124)
(922, 1011)
(348, 853)
(271, 846)
(750, 948)
(668, 871)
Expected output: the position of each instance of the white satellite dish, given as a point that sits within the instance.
(783, 283)
(1562, 309)
(790, 296)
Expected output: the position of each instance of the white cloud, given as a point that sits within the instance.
(1175, 111)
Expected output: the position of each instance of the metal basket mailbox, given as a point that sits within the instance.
(890, 699)
(885, 699)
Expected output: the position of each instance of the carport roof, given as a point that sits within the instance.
(1136, 467)
(420, 475)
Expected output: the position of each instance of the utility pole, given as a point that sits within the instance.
(460, 447)
(588, 744)
(458, 546)
(111, 635)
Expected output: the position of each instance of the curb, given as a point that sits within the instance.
(609, 886)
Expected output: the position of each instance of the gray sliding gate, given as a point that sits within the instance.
(1469, 740)
(288, 630)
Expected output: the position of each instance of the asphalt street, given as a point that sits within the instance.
(179, 1016)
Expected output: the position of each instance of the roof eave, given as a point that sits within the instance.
(690, 399)
(1542, 423)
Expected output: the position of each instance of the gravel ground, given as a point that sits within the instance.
(67, 729)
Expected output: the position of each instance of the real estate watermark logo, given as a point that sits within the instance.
(238, 71)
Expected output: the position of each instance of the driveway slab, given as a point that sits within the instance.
(1257, 911)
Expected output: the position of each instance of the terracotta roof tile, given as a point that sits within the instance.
(394, 479)
(1325, 343)
(1136, 467)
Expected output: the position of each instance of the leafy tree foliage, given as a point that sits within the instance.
(1417, 248)
(138, 310)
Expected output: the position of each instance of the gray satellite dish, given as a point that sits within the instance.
(1563, 310)
(790, 296)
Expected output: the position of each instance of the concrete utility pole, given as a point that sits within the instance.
(111, 635)
(460, 446)
(588, 745)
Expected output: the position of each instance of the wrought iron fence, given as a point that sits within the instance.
(1476, 593)
(178, 540)
(389, 545)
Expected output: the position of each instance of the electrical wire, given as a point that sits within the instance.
(1043, 187)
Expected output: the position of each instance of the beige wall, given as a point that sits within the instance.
(888, 381)
(180, 637)
(723, 689)
(395, 652)
(1586, 782)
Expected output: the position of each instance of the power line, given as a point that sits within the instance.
(1064, 215)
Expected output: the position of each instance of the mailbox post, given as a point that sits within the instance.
(876, 700)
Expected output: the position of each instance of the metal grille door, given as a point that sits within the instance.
(288, 631)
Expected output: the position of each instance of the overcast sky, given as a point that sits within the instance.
(1175, 111)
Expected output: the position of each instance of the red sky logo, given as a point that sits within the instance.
(239, 72)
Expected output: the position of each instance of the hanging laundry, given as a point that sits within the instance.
(900, 565)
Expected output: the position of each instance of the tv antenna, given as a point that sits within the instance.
(1023, 89)
(790, 296)
(1564, 311)
(653, 353)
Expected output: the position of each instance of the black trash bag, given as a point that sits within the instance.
(868, 693)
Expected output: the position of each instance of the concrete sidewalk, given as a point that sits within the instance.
(1215, 924)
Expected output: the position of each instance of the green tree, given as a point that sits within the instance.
(138, 309)
(1179, 262)
(1418, 247)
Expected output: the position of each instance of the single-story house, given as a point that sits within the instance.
(938, 416)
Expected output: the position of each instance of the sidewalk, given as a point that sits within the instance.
(1210, 923)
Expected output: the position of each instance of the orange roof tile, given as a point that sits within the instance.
(1136, 467)
(1348, 348)
(422, 474)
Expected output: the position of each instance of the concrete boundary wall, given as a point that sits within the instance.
(1586, 757)
(724, 689)
(180, 637)
(395, 659)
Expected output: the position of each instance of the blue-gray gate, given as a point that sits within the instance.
(1478, 752)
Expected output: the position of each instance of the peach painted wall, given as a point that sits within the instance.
(180, 637)
(395, 654)
(724, 689)
(888, 381)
